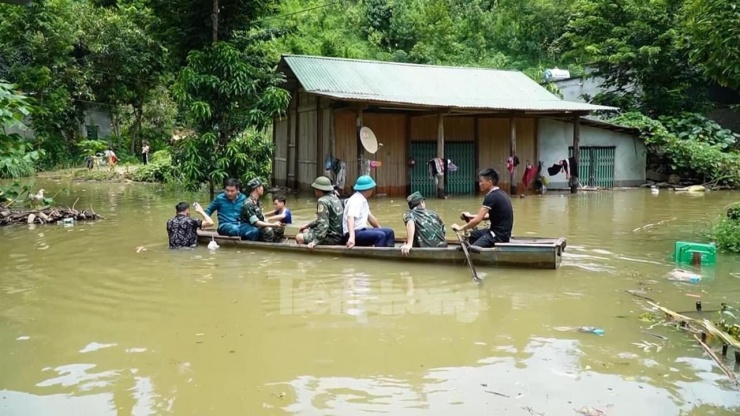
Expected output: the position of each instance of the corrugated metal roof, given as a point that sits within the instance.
(427, 85)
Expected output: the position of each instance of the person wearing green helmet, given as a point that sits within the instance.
(357, 217)
(327, 228)
(424, 227)
(269, 232)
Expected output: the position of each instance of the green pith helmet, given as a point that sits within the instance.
(254, 183)
(322, 183)
(414, 199)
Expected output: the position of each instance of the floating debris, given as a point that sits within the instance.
(47, 216)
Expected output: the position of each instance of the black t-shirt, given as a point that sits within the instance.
(500, 213)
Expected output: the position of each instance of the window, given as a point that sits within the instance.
(92, 132)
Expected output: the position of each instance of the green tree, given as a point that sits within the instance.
(46, 58)
(17, 158)
(227, 86)
(632, 44)
(128, 63)
(712, 34)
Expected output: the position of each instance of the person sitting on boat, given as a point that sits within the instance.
(497, 205)
(182, 229)
(229, 205)
(327, 228)
(281, 213)
(424, 227)
(357, 216)
(269, 232)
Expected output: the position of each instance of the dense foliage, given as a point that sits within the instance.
(691, 143)
(17, 157)
(204, 68)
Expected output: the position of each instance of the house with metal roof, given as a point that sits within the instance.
(422, 116)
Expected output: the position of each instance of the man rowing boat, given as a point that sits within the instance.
(497, 207)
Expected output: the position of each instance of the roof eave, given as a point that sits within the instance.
(589, 108)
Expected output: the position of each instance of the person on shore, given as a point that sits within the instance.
(424, 227)
(327, 228)
(145, 154)
(497, 206)
(357, 216)
(182, 229)
(281, 212)
(112, 158)
(229, 205)
(269, 232)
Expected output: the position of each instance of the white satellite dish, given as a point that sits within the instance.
(368, 140)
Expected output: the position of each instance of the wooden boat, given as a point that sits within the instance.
(520, 252)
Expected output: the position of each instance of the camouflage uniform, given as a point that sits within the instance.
(251, 213)
(327, 229)
(429, 227)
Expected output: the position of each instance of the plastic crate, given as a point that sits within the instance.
(684, 252)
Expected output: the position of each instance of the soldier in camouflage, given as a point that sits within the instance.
(424, 228)
(327, 229)
(270, 232)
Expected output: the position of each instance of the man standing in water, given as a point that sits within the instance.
(497, 205)
(269, 232)
(182, 229)
(229, 205)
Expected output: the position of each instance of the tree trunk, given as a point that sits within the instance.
(214, 18)
(115, 118)
(136, 139)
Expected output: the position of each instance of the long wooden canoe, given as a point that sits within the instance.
(521, 252)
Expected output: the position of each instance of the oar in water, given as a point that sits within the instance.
(464, 245)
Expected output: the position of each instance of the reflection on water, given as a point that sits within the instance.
(92, 323)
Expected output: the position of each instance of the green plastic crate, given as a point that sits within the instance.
(684, 252)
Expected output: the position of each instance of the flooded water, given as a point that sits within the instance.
(90, 326)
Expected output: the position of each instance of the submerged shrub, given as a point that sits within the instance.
(159, 169)
(727, 235)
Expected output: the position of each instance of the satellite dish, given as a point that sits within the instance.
(368, 140)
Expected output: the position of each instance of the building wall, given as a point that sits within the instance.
(556, 136)
(574, 89)
(391, 131)
(92, 117)
(493, 150)
(302, 139)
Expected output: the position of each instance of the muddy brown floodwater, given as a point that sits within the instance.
(88, 326)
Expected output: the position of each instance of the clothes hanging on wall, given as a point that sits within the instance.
(573, 166)
(436, 167)
(561, 166)
(341, 175)
(529, 174)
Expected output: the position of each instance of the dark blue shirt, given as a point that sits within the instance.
(288, 216)
(228, 210)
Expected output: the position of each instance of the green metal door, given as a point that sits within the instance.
(596, 166)
(423, 152)
(462, 181)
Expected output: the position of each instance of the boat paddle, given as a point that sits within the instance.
(464, 245)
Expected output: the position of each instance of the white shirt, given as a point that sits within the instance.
(358, 208)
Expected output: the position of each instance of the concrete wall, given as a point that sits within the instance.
(92, 117)
(98, 118)
(573, 89)
(554, 138)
